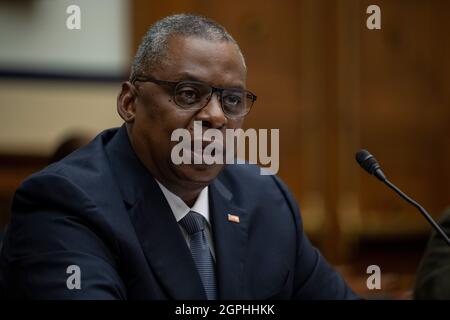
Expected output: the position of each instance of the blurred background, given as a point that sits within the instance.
(327, 82)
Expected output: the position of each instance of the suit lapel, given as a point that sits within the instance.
(158, 232)
(165, 247)
(230, 241)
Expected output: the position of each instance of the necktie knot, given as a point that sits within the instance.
(193, 222)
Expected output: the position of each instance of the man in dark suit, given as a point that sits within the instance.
(118, 219)
(433, 276)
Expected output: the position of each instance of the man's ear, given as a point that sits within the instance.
(126, 102)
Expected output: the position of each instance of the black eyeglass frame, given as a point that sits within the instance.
(174, 84)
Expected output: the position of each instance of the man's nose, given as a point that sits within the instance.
(212, 114)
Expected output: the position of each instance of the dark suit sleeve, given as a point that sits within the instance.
(54, 225)
(314, 277)
(433, 277)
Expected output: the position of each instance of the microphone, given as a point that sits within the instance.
(371, 165)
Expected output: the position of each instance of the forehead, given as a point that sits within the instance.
(217, 63)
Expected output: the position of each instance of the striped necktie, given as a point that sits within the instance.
(194, 224)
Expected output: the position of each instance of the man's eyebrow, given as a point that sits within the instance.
(186, 76)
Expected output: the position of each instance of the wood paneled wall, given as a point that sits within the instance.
(332, 86)
(405, 112)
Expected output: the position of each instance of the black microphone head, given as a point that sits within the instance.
(369, 163)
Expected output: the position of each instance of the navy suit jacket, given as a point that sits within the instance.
(101, 210)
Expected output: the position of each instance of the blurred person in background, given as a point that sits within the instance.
(433, 277)
(69, 144)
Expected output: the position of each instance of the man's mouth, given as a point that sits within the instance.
(198, 148)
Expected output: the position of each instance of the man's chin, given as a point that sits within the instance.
(198, 173)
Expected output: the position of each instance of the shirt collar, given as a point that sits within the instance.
(180, 209)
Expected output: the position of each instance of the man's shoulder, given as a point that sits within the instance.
(250, 174)
(87, 158)
(84, 169)
(247, 181)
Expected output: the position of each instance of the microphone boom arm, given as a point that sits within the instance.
(371, 165)
(420, 208)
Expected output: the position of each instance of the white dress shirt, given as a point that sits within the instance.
(180, 209)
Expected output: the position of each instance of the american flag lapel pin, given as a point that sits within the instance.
(233, 218)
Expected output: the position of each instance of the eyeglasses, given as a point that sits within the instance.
(193, 95)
